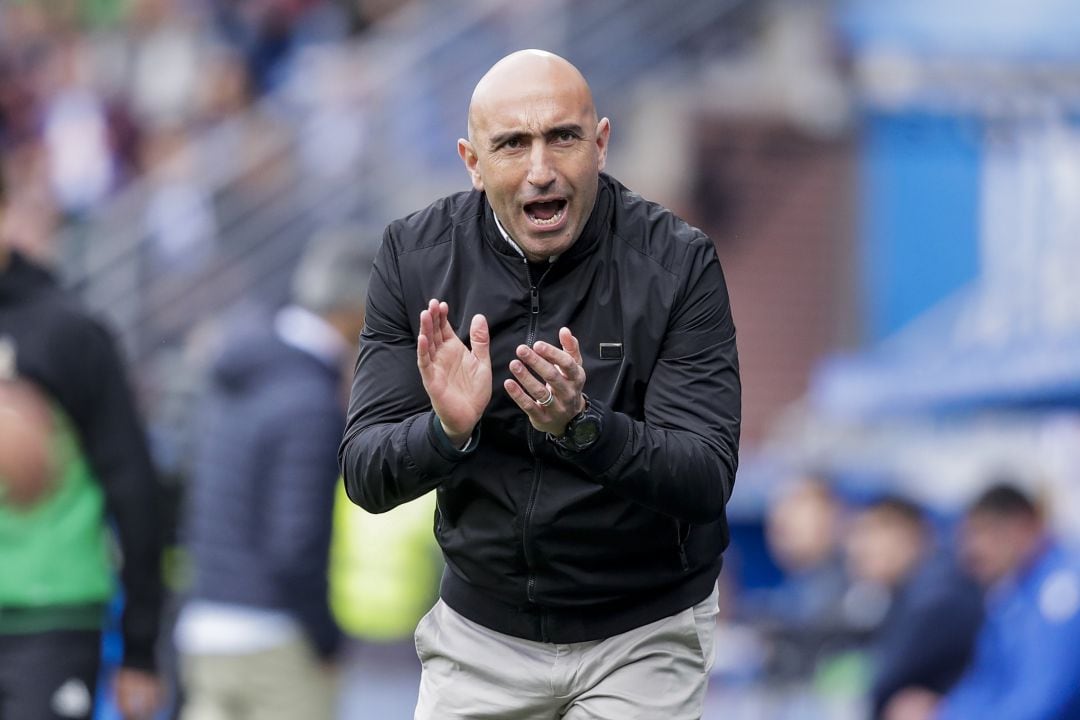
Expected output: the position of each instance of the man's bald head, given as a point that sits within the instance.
(536, 149)
(523, 74)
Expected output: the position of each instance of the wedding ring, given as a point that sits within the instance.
(548, 400)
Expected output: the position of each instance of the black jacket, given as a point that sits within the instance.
(537, 545)
(73, 358)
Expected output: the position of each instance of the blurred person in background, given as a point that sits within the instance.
(29, 222)
(271, 33)
(384, 575)
(75, 130)
(1027, 656)
(803, 530)
(804, 619)
(256, 636)
(82, 467)
(582, 448)
(927, 635)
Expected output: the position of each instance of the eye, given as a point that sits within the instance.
(512, 143)
(566, 136)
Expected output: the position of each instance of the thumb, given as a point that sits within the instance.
(480, 339)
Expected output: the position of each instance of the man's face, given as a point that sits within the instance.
(992, 546)
(882, 548)
(801, 528)
(537, 151)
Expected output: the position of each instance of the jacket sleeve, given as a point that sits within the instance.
(299, 499)
(681, 459)
(391, 452)
(118, 453)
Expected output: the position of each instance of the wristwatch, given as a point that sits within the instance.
(582, 431)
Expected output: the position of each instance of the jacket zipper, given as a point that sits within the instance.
(534, 316)
(681, 539)
(530, 588)
(534, 307)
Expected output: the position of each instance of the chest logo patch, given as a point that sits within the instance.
(610, 351)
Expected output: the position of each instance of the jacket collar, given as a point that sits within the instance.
(596, 229)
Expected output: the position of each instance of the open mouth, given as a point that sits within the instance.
(546, 213)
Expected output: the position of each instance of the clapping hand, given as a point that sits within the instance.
(457, 378)
(549, 382)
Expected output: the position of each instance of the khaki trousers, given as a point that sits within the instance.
(284, 683)
(659, 671)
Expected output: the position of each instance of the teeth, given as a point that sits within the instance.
(553, 220)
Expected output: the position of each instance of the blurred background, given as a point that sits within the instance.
(893, 187)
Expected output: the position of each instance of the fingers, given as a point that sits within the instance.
(554, 364)
(430, 338)
(547, 373)
(480, 338)
(440, 322)
(430, 329)
(447, 332)
(423, 352)
(550, 419)
(435, 326)
(425, 346)
(536, 389)
(527, 392)
(570, 345)
(436, 331)
(523, 399)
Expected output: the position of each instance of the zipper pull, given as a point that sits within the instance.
(535, 296)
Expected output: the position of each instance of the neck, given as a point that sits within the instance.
(537, 259)
(529, 256)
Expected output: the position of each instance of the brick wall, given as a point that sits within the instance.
(779, 205)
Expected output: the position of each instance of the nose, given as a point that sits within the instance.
(541, 171)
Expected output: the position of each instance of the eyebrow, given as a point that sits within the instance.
(498, 139)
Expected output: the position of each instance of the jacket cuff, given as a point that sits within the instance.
(445, 446)
(607, 453)
(430, 448)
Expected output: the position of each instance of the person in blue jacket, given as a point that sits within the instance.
(1027, 657)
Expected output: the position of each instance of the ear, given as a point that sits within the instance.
(603, 132)
(469, 157)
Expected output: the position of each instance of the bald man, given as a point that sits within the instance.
(574, 403)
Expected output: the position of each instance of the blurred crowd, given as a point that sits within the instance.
(94, 94)
(836, 601)
(893, 610)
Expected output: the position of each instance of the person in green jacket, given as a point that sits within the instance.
(82, 469)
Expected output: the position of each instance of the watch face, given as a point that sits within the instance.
(586, 431)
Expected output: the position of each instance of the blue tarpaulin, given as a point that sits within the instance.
(1032, 30)
(936, 366)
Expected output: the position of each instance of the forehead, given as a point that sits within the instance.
(533, 109)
